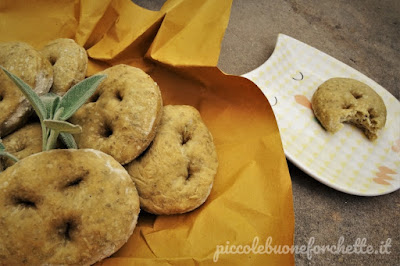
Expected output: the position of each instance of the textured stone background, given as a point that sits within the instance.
(365, 34)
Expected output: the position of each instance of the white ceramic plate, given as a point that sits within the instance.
(347, 160)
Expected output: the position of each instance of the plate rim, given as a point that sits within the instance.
(298, 163)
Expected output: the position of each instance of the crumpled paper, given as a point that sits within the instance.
(250, 209)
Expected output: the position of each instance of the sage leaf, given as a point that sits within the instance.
(68, 140)
(33, 98)
(51, 101)
(53, 110)
(4, 153)
(9, 155)
(76, 96)
(62, 126)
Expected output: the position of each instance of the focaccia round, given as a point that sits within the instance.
(22, 60)
(176, 173)
(65, 207)
(122, 116)
(69, 62)
(339, 100)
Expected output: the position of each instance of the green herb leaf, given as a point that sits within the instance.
(78, 95)
(52, 110)
(4, 153)
(8, 155)
(62, 126)
(68, 140)
(51, 101)
(33, 98)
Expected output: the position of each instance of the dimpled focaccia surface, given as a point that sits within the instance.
(175, 174)
(63, 207)
(22, 60)
(122, 116)
(69, 62)
(340, 100)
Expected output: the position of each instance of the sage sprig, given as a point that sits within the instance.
(4, 153)
(53, 110)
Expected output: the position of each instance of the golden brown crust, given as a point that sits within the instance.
(69, 62)
(176, 173)
(22, 60)
(22, 143)
(121, 118)
(65, 207)
(340, 100)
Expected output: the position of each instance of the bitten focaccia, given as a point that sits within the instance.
(176, 173)
(340, 100)
(69, 62)
(62, 207)
(122, 116)
(22, 60)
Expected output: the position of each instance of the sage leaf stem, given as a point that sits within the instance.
(9, 155)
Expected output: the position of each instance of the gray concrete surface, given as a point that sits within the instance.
(366, 36)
